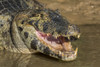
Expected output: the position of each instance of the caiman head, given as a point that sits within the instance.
(48, 32)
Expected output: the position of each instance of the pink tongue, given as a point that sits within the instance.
(66, 45)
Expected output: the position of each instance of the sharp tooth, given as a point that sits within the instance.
(48, 34)
(68, 38)
(59, 52)
(76, 51)
(79, 36)
(56, 37)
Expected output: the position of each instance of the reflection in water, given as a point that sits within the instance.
(13, 60)
(88, 55)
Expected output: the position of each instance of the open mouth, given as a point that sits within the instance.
(61, 44)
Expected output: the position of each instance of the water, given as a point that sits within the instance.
(88, 55)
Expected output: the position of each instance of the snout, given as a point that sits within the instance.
(73, 31)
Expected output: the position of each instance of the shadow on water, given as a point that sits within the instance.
(88, 55)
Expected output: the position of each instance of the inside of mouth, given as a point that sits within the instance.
(58, 43)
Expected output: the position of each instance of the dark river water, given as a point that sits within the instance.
(88, 55)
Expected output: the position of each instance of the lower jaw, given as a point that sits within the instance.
(70, 56)
(63, 55)
(69, 59)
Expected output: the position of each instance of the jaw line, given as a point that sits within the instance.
(64, 55)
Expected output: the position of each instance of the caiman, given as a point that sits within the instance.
(27, 26)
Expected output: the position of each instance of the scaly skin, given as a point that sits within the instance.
(18, 29)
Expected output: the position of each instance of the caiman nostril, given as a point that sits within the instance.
(75, 28)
